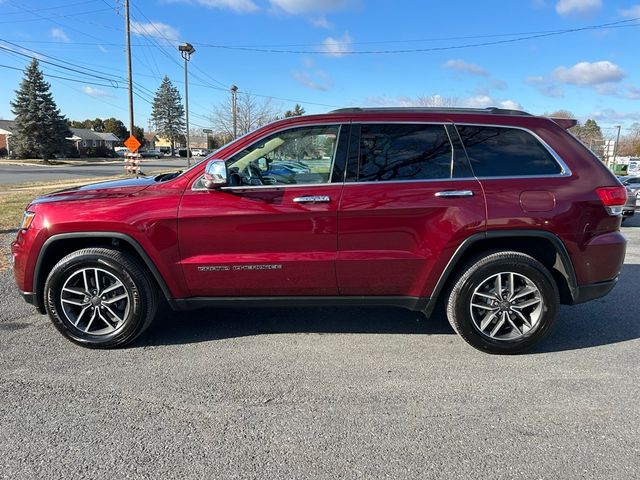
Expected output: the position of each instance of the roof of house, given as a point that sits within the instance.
(108, 136)
(8, 125)
(88, 134)
(150, 136)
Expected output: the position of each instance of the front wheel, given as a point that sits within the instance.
(503, 303)
(100, 297)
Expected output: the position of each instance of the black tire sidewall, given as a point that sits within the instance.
(465, 326)
(61, 273)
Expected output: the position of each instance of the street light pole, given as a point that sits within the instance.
(234, 110)
(186, 50)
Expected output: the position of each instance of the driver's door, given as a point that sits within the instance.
(273, 230)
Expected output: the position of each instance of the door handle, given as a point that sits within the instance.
(454, 193)
(313, 199)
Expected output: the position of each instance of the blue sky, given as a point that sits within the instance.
(405, 50)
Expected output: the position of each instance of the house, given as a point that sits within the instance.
(85, 137)
(7, 127)
(150, 140)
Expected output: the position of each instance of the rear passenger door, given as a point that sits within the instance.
(409, 200)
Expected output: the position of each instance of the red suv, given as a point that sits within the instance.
(501, 215)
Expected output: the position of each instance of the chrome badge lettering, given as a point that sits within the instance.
(226, 268)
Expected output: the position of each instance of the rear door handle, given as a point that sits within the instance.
(312, 199)
(454, 193)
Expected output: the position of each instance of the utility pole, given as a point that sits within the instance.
(234, 110)
(128, 30)
(186, 50)
(615, 147)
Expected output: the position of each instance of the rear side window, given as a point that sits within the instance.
(506, 152)
(404, 152)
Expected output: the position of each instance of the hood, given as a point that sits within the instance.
(112, 188)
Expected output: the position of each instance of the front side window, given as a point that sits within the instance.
(296, 156)
(506, 152)
(404, 152)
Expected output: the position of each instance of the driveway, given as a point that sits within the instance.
(324, 393)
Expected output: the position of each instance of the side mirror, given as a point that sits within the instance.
(215, 174)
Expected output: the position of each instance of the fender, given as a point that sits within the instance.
(569, 272)
(38, 282)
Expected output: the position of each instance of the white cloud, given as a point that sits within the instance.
(535, 80)
(336, 47)
(568, 8)
(545, 86)
(239, 6)
(631, 12)
(320, 22)
(476, 101)
(298, 7)
(611, 115)
(94, 92)
(315, 80)
(586, 73)
(464, 67)
(156, 30)
(58, 34)
(102, 49)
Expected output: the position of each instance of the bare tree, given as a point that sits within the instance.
(437, 101)
(252, 113)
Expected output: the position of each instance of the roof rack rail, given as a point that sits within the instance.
(488, 110)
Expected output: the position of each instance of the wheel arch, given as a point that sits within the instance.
(544, 246)
(60, 245)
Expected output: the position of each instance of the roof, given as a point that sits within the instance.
(88, 134)
(150, 136)
(8, 125)
(482, 111)
(107, 136)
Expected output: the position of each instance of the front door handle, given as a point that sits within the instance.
(454, 193)
(313, 199)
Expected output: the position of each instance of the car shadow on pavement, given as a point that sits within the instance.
(203, 325)
(611, 319)
(608, 320)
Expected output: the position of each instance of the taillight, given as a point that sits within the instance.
(613, 198)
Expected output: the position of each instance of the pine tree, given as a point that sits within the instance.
(297, 111)
(167, 112)
(40, 129)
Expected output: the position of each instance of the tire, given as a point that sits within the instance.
(527, 308)
(112, 314)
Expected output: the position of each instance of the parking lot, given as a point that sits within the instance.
(323, 393)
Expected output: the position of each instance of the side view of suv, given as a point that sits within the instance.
(499, 215)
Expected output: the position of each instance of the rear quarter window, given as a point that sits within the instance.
(506, 152)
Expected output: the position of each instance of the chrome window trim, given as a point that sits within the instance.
(245, 187)
(565, 171)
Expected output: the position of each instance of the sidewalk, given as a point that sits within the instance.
(63, 162)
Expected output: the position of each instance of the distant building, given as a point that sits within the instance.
(85, 137)
(7, 127)
(151, 139)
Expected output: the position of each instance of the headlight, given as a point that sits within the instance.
(27, 218)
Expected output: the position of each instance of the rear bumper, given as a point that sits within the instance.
(585, 293)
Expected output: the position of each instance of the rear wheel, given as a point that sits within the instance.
(100, 298)
(503, 303)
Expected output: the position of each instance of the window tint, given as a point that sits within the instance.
(404, 152)
(295, 156)
(506, 152)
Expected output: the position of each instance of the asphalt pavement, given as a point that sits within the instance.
(25, 173)
(323, 393)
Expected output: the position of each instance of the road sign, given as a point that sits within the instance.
(132, 143)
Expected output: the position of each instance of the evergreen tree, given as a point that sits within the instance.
(297, 111)
(168, 113)
(40, 129)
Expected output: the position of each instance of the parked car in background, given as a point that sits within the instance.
(151, 154)
(629, 208)
(496, 214)
(633, 183)
(199, 152)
